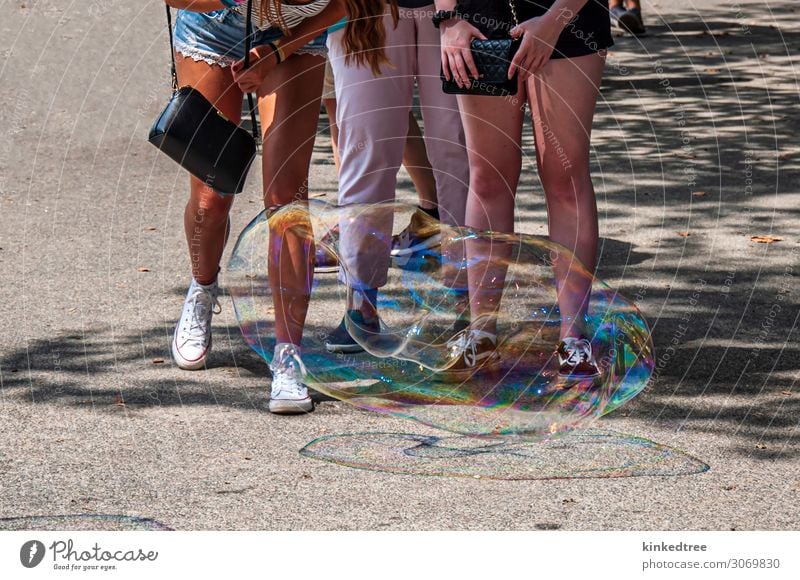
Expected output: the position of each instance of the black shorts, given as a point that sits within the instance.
(588, 31)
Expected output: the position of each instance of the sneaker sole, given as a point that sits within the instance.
(427, 243)
(326, 269)
(188, 365)
(283, 407)
(344, 348)
(629, 23)
(460, 374)
(571, 377)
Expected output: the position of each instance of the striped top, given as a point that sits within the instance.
(291, 14)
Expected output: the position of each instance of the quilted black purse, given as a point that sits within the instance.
(492, 59)
(194, 133)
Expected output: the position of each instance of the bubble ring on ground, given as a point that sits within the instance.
(77, 522)
(581, 454)
(515, 285)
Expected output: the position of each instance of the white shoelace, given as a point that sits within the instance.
(578, 350)
(201, 304)
(285, 367)
(465, 344)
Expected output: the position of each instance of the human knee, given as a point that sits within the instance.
(488, 182)
(287, 187)
(564, 182)
(210, 208)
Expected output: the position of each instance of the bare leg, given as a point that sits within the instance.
(563, 97)
(205, 219)
(289, 104)
(415, 159)
(493, 131)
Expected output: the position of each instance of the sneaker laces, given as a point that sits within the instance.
(202, 304)
(577, 351)
(285, 368)
(465, 344)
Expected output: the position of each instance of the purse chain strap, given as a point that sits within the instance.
(513, 6)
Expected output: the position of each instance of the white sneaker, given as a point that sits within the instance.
(191, 342)
(289, 395)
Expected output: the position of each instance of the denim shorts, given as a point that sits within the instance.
(218, 37)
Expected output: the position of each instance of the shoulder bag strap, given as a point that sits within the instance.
(247, 45)
(513, 5)
(173, 70)
(248, 39)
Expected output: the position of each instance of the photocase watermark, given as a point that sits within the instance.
(67, 556)
(31, 553)
(740, 16)
(686, 138)
(680, 332)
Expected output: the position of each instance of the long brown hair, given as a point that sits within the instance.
(364, 35)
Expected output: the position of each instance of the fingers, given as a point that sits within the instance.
(451, 59)
(524, 69)
(246, 81)
(469, 62)
(446, 65)
(462, 74)
(475, 33)
(516, 62)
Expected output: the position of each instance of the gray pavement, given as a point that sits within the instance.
(696, 133)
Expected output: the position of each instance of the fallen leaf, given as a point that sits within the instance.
(683, 234)
(787, 393)
(143, 269)
(761, 446)
(765, 239)
(699, 193)
(318, 194)
(119, 402)
(158, 361)
(711, 70)
(149, 229)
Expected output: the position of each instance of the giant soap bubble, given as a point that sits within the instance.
(514, 286)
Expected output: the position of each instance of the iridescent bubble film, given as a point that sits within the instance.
(513, 286)
(580, 454)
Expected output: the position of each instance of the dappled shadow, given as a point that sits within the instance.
(694, 151)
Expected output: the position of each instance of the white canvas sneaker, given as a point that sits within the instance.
(191, 342)
(289, 395)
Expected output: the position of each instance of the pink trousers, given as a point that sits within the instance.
(372, 115)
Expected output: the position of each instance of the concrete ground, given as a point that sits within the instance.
(695, 153)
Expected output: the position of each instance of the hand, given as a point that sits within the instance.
(457, 61)
(262, 62)
(539, 36)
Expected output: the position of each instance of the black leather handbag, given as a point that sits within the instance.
(492, 59)
(194, 133)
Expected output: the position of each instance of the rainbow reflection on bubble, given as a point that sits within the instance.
(580, 454)
(515, 281)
